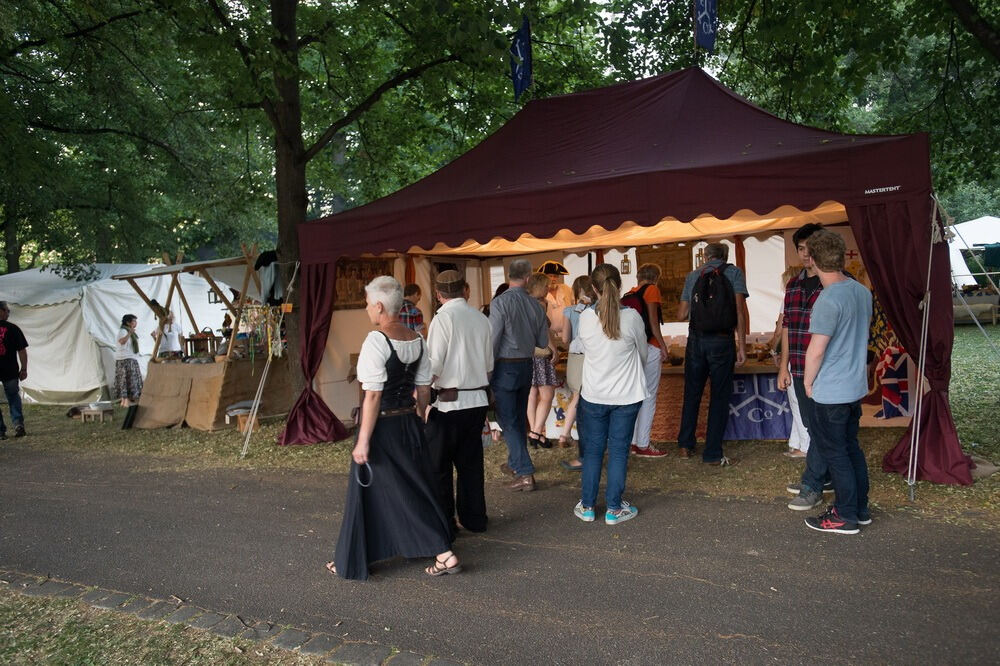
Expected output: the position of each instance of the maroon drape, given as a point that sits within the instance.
(741, 263)
(894, 238)
(310, 420)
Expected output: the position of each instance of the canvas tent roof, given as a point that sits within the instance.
(676, 146)
(71, 325)
(981, 231)
(672, 148)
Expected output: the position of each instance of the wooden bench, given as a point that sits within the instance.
(984, 308)
(94, 415)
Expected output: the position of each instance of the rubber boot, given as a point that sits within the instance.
(129, 417)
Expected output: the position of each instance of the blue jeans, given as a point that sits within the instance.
(605, 427)
(12, 389)
(834, 428)
(708, 357)
(511, 385)
(816, 474)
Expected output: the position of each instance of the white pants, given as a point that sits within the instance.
(799, 437)
(644, 421)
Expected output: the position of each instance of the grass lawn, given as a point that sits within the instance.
(58, 631)
(762, 473)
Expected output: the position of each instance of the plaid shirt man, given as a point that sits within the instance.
(412, 318)
(798, 307)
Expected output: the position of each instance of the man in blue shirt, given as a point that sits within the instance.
(518, 325)
(835, 379)
(711, 355)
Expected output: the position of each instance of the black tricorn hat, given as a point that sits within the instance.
(552, 268)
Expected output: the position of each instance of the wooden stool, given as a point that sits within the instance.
(242, 421)
(95, 414)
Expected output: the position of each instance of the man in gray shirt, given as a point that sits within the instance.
(519, 325)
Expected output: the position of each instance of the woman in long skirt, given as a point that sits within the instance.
(128, 375)
(391, 509)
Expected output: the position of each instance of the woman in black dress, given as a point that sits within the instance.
(395, 513)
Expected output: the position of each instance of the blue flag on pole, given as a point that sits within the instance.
(706, 21)
(520, 59)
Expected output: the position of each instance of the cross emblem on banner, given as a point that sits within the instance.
(851, 254)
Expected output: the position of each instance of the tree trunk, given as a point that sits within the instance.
(12, 249)
(102, 244)
(290, 167)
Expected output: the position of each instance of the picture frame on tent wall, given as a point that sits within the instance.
(674, 261)
(351, 277)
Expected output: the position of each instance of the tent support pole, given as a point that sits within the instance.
(218, 292)
(184, 302)
(239, 309)
(255, 408)
(251, 257)
(142, 294)
(925, 307)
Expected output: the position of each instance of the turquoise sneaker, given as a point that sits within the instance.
(584, 513)
(627, 512)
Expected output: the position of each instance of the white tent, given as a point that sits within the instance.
(71, 326)
(979, 231)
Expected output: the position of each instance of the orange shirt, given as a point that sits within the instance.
(651, 295)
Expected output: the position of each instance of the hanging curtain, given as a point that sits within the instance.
(310, 420)
(894, 239)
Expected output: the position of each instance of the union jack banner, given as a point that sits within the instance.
(893, 373)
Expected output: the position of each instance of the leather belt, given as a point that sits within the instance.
(399, 411)
(513, 360)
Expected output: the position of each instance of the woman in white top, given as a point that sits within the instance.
(391, 509)
(128, 375)
(614, 386)
(583, 293)
(170, 344)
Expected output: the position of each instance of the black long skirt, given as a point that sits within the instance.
(397, 515)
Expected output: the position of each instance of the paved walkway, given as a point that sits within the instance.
(691, 579)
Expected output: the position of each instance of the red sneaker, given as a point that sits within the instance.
(648, 452)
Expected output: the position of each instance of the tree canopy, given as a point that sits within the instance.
(139, 126)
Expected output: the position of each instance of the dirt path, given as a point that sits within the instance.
(690, 579)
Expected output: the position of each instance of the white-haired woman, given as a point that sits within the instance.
(395, 513)
(613, 388)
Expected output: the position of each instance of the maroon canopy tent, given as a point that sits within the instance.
(680, 146)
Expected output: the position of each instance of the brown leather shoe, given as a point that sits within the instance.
(684, 452)
(505, 468)
(525, 483)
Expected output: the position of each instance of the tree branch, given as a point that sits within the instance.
(399, 24)
(368, 102)
(977, 25)
(244, 52)
(32, 43)
(38, 124)
(317, 36)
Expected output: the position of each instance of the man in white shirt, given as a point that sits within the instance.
(460, 347)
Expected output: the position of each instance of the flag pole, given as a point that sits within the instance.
(694, 30)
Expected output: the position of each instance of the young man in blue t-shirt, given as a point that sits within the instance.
(836, 380)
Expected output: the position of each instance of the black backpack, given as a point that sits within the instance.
(713, 302)
(636, 302)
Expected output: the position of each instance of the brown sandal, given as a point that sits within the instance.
(440, 568)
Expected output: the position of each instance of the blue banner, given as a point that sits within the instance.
(758, 409)
(706, 22)
(520, 59)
